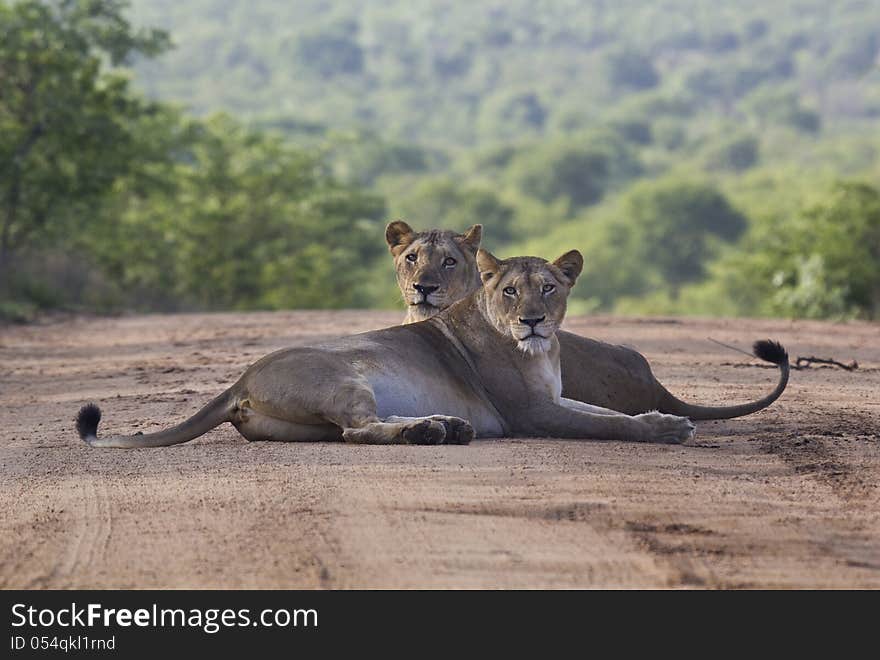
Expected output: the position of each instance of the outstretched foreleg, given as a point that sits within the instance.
(560, 421)
(587, 407)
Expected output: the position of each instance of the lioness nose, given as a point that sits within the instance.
(425, 290)
(532, 322)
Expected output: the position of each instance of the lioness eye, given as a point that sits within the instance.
(411, 257)
(547, 288)
(449, 261)
(509, 290)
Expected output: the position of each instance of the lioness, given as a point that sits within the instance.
(488, 365)
(437, 268)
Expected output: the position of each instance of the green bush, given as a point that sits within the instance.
(443, 203)
(579, 171)
(512, 114)
(580, 175)
(331, 53)
(630, 69)
(735, 154)
(675, 225)
(821, 262)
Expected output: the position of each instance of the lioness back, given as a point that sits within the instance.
(606, 375)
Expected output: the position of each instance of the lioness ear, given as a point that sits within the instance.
(571, 263)
(487, 264)
(398, 233)
(472, 237)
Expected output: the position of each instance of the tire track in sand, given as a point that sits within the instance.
(83, 555)
(832, 461)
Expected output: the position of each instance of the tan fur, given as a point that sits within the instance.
(474, 368)
(441, 259)
(594, 372)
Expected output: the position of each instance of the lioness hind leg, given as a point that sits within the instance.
(258, 427)
(353, 409)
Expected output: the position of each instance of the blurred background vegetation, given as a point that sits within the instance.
(707, 158)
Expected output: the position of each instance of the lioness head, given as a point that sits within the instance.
(434, 268)
(525, 297)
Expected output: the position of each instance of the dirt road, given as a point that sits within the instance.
(785, 498)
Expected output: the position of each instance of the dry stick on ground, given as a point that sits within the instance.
(800, 362)
(807, 362)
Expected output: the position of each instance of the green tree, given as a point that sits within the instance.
(446, 204)
(362, 158)
(629, 69)
(578, 174)
(669, 133)
(821, 262)
(637, 131)
(736, 153)
(578, 171)
(783, 106)
(243, 220)
(65, 123)
(721, 42)
(856, 55)
(333, 51)
(675, 226)
(512, 113)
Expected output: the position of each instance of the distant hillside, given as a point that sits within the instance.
(442, 72)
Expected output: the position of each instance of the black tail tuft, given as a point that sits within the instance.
(770, 351)
(87, 421)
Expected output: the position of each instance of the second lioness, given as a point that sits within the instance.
(436, 268)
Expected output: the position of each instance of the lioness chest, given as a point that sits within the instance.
(544, 377)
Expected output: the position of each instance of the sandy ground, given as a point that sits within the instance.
(785, 498)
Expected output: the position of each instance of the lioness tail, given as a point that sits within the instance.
(765, 349)
(213, 414)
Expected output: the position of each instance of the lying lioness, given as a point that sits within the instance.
(488, 365)
(437, 268)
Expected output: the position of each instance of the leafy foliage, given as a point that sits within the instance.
(629, 69)
(691, 153)
(243, 221)
(578, 172)
(67, 130)
(331, 52)
(444, 203)
(454, 73)
(673, 225)
(820, 262)
(173, 212)
(737, 153)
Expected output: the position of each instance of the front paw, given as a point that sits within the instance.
(667, 429)
(425, 432)
(458, 431)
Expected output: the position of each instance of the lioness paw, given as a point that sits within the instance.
(425, 432)
(458, 431)
(667, 429)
